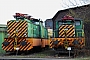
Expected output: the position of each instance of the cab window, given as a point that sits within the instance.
(77, 22)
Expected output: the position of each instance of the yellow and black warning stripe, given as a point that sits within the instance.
(10, 46)
(51, 43)
(20, 26)
(28, 46)
(25, 47)
(70, 32)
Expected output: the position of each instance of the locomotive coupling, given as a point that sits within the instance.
(66, 44)
(16, 48)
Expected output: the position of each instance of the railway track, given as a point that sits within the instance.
(41, 54)
(33, 59)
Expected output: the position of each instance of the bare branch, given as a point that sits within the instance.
(62, 5)
(76, 2)
(84, 1)
(80, 2)
(72, 3)
(65, 3)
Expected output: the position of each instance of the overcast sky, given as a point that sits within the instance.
(43, 9)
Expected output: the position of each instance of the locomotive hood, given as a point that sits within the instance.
(18, 28)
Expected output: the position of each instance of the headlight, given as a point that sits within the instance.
(23, 43)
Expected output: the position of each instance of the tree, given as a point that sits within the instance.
(73, 3)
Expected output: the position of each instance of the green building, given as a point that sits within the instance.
(3, 34)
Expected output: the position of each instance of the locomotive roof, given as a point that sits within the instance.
(37, 20)
(75, 19)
